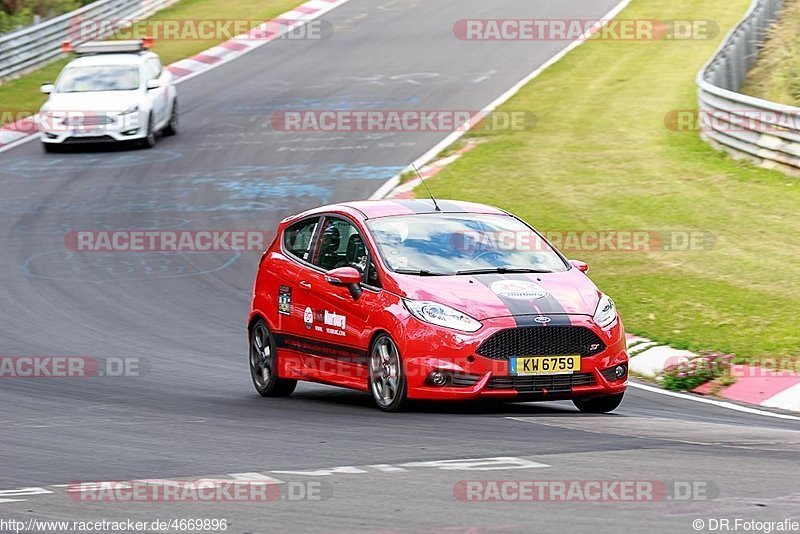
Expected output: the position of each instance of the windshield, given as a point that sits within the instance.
(448, 244)
(99, 78)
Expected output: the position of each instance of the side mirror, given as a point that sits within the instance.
(346, 276)
(47, 88)
(582, 267)
(153, 84)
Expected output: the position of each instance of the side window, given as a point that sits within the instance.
(341, 245)
(153, 68)
(298, 237)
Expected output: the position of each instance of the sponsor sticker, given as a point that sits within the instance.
(330, 322)
(308, 318)
(335, 320)
(518, 290)
(285, 300)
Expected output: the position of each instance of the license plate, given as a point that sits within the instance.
(87, 133)
(545, 365)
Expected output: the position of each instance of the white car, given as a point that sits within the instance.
(114, 91)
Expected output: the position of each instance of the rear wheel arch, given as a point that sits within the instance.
(263, 356)
(256, 316)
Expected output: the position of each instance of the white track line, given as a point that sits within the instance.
(428, 156)
(719, 404)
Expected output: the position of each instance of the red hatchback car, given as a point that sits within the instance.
(409, 299)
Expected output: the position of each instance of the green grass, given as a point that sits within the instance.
(22, 94)
(776, 74)
(601, 158)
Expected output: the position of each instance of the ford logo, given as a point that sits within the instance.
(542, 319)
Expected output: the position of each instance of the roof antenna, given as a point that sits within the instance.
(427, 188)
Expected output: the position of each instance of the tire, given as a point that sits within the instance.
(263, 362)
(149, 141)
(172, 126)
(51, 148)
(387, 381)
(606, 404)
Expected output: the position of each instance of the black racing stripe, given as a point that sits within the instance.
(528, 320)
(423, 205)
(547, 305)
(417, 206)
(450, 207)
(343, 353)
(522, 310)
(525, 312)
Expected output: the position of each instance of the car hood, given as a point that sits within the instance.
(93, 101)
(487, 296)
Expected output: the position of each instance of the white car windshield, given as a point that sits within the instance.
(99, 78)
(453, 243)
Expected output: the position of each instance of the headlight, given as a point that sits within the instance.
(441, 315)
(606, 312)
(132, 109)
(49, 120)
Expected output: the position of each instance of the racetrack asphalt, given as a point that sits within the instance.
(193, 412)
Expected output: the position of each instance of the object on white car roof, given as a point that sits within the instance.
(109, 47)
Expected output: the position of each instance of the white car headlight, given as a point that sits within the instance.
(441, 315)
(133, 109)
(606, 312)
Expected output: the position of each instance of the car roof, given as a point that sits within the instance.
(111, 59)
(374, 209)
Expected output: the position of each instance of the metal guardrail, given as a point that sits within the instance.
(33, 47)
(744, 125)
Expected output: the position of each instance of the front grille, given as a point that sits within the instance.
(88, 120)
(541, 341)
(537, 383)
(87, 140)
(463, 381)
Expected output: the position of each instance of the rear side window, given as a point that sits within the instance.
(153, 68)
(297, 238)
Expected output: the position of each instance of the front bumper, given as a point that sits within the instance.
(427, 349)
(105, 128)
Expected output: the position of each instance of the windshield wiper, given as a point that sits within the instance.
(502, 270)
(419, 272)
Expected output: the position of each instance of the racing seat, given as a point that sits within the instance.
(356, 254)
(329, 247)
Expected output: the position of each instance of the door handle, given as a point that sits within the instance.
(305, 285)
